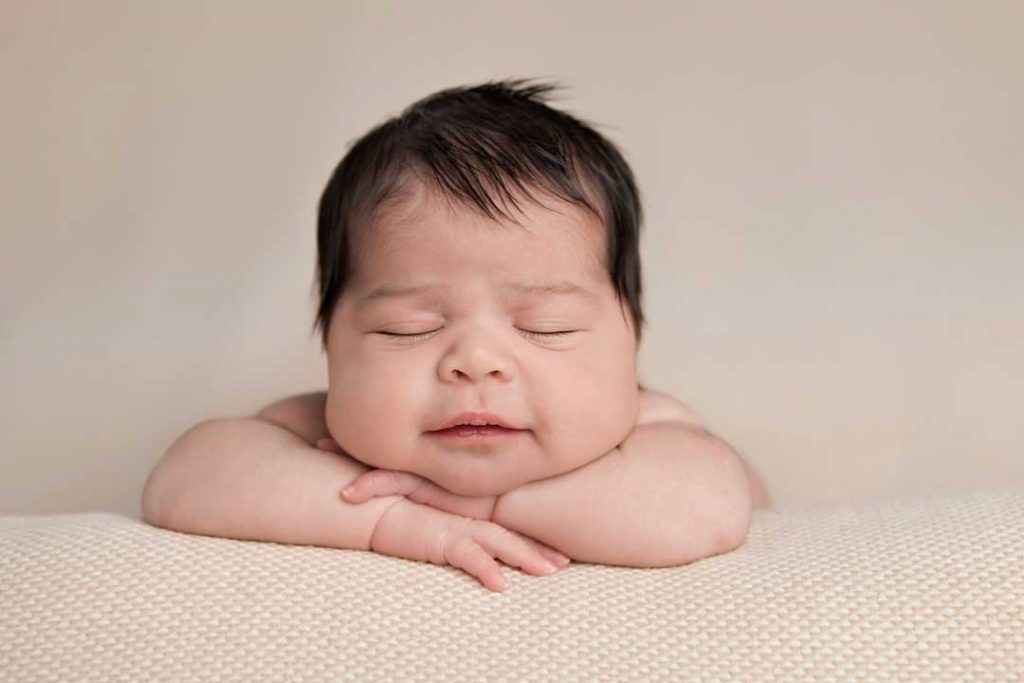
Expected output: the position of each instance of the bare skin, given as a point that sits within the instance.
(477, 545)
(449, 314)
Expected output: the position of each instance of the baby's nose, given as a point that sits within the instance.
(477, 357)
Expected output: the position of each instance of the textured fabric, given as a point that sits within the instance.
(926, 589)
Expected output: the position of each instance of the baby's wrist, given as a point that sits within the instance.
(392, 535)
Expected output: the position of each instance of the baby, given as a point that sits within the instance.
(479, 281)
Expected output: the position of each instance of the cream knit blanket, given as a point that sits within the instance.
(929, 589)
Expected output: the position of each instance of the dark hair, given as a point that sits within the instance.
(479, 145)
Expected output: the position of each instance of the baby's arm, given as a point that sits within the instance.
(668, 495)
(671, 493)
(254, 479)
(656, 406)
(250, 479)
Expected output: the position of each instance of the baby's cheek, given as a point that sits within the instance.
(600, 413)
(366, 434)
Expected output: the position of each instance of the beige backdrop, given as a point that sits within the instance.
(832, 251)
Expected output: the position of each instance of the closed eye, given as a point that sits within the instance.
(531, 333)
(411, 337)
(423, 335)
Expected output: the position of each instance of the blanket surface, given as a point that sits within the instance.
(924, 589)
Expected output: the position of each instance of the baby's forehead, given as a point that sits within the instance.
(443, 251)
(415, 216)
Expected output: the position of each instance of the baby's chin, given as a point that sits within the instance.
(474, 487)
(476, 476)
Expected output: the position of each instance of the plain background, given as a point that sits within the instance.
(832, 247)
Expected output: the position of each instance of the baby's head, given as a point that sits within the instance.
(479, 254)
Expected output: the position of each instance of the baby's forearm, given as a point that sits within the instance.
(666, 496)
(249, 479)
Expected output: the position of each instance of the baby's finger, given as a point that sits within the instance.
(467, 554)
(380, 483)
(546, 550)
(512, 549)
(329, 445)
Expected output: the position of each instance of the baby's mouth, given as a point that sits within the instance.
(475, 422)
(475, 430)
(479, 434)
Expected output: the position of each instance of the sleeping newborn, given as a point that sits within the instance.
(479, 280)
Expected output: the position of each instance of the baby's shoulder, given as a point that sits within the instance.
(657, 406)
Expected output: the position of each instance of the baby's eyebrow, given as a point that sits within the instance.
(554, 287)
(563, 287)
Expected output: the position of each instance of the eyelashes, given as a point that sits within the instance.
(549, 335)
(528, 333)
(408, 337)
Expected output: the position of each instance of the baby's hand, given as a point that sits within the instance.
(418, 532)
(414, 487)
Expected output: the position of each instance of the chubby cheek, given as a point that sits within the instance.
(372, 413)
(588, 416)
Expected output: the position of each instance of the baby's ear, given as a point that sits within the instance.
(656, 406)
